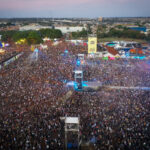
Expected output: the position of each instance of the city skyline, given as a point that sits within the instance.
(70, 9)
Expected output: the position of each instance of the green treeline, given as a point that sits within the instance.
(125, 33)
(32, 37)
(82, 33)
(121, 32)
(35, 37)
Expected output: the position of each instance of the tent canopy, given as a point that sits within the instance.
(73, 120)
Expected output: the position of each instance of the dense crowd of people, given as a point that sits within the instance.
(31, 102)
(7, 55)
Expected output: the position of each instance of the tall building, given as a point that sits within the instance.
(100, 19)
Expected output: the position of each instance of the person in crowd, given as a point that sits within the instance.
(31, 103)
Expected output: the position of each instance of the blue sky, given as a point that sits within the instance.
(74, 8)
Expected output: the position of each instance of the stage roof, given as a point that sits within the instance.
(73, 120)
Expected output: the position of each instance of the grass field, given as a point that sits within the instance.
(110, 39)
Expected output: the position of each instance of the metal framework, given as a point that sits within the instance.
(72, 127)
(78, 75)
(80, 56)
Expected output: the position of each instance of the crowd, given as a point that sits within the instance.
(7, 55)
(31, 103)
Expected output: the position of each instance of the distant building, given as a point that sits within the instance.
(33, 27)
(141, 29)
(65, 29)
(9, 28)
(100, 19)
(148, 31)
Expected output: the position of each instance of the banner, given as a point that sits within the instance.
(92, 45)
(105, 58)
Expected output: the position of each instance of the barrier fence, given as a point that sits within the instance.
(10, 60)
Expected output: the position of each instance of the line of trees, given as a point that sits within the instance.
(32, 37)
(83, 33)
(121, 32)
(125, 33)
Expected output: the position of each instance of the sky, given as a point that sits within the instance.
(74, 8)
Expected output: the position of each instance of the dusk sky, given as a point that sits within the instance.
(74, 8)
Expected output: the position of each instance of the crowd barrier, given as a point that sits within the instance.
(129, 57)
(10, 60)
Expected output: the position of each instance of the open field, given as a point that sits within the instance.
(109, 39)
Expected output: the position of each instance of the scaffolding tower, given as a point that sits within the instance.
(72, 135)
(78, 76)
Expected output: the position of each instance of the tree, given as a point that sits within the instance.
(119, 26)
(115, 33)
(7, 35)
(34, 38)
(74, 35)
(102, 35)
(20, 35)
(89, 30)
(78, 34)
(51, 33)
(148, 37)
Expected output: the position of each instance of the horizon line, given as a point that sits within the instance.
(74, 17)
